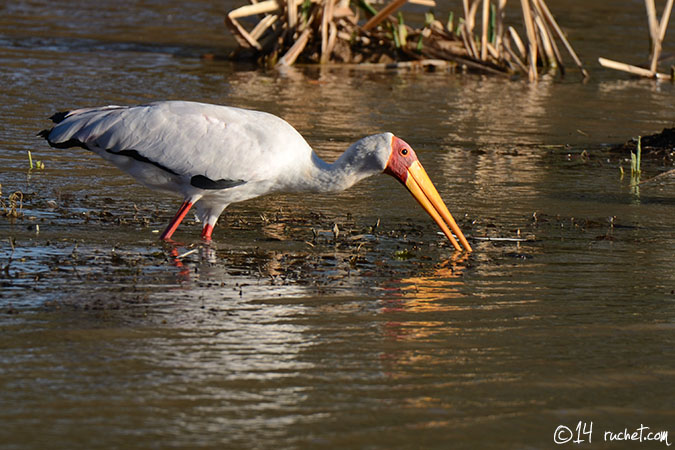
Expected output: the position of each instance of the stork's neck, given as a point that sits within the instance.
(359, 161)
(362, 159)
(334, 177)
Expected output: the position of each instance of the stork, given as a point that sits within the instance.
(214, 155)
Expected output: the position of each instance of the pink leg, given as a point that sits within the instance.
(206, 232)
(182, 211)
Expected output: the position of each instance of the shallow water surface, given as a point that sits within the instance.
(281, 334)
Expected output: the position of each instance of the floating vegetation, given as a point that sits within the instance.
(404, 254)
(356, 32)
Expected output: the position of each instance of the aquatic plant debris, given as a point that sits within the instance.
(13, 206)
(357, 32)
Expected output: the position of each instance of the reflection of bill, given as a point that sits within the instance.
(428, 292)
(422, 294)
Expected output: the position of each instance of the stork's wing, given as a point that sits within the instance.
(208, 143)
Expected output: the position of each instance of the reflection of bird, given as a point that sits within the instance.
(217, 155)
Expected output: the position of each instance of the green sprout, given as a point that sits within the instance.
(367, 7)
(449, 25)
(635, 160)
(39, 165)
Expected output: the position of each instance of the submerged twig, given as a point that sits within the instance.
(660, 177)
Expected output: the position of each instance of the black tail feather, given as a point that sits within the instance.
(45, 133)
(67, 144)
(59, 116)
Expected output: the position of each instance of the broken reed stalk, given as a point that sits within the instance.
(546, 42)
(292, 11)
(383, 14)
(484, 30)
(465, 5)
(326, 18)
(651, 20)
(658, 42)
(635, 70)
(532, 38)
(242, 36)
(263, 25)
(551, 20)
(467, 38)
(471, 19)
(519, 42)
(548, 39)
(657, 33)
(499, 27)
(292, 54)
(515, 57)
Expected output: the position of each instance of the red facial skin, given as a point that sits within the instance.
(401, 158)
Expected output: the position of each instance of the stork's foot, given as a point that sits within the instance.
(172, 243)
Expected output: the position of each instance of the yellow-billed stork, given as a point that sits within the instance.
(216, 155)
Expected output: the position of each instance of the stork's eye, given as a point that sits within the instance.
(404, 152)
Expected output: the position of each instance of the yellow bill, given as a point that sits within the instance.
(420, 186)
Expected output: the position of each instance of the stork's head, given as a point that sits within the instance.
(387, 153)
(402, 164)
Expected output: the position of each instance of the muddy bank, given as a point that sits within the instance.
(659, 146)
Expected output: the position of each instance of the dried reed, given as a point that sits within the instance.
(329, 31)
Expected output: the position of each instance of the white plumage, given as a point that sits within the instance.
(214, 155)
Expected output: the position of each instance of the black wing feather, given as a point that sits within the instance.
(203, 182)
(58, 117)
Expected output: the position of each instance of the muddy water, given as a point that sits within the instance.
(281, 334)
